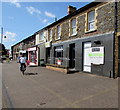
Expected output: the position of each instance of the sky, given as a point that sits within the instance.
(22, 19)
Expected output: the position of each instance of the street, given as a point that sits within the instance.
(44, 88)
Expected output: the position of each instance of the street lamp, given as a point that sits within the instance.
(1, 43)
(2, 35)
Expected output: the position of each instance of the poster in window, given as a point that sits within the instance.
(97, 55)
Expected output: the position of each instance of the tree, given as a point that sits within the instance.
(2, 50)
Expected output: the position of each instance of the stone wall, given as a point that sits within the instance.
(15, 51)
(104, 23)
(105, 18)
(116, 38)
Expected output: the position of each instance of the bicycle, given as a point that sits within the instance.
(23, 68)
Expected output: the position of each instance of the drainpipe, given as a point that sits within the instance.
(115, 31)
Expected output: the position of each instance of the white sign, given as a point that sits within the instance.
(48, 44)
(32, 49)
(22, 51)
(97, 55)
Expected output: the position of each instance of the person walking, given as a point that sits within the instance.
(22, 63)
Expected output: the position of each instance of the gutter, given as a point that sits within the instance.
(115, 31)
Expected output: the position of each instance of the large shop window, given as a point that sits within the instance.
(59, 55)
(32, 56)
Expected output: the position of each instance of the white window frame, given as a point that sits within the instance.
(50, 34)
(73, 27)
(58, 32)
(41, 34)
(91, 21)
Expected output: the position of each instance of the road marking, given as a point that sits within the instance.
(91, 96)
(54, 93)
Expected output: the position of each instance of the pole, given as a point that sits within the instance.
(1, 34)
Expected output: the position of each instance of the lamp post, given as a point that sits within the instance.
(1, 34)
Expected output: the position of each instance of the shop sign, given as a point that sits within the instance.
(48, 44)
(96, 55)
(32, 49)
(22, 51)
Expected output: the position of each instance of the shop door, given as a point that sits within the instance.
(119, 56)
(48, 55)
(86, 60)
(72, 56)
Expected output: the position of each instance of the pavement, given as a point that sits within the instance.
(44, 88)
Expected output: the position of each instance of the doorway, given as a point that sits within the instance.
(48, 55)
(86, 59)
(72, 55)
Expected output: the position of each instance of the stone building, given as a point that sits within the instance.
(86, 40)
(22, 46)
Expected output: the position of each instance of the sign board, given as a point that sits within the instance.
(96, 55)
(32, 49)
(22, 51)
(48, 44)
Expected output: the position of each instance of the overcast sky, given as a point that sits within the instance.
(22, 19)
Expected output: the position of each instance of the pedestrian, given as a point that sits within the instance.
(22, 62)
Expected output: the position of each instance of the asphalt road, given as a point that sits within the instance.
(44, 88)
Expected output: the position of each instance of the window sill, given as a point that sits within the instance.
(41, 40)
(73, 35)
(57, 39)
(93, 30)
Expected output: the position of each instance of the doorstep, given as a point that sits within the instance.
(64, 70)
(57, 68)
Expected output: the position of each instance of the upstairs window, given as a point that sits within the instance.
(41, 36)
(50, 34)
(73, 27)
(58, 32)
(91, 21)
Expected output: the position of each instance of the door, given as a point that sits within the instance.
(86, 60)
(72, 55)
(48, 55)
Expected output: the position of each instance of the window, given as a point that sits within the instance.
(91, 21)
(73, 27)
(58, 54)
(58, 32)
(50, 34)
(42, 36)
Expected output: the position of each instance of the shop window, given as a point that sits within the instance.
(91, 21)
(73, 27)
(58, 55)
(32, 56)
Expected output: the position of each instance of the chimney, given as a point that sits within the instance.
(71, 9)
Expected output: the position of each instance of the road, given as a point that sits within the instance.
(44, 88)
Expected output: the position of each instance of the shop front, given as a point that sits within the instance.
(33, 56)
(92, 54)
